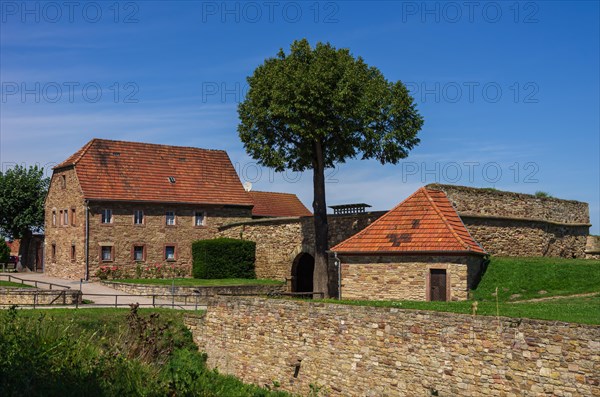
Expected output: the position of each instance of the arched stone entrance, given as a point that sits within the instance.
(302, 273)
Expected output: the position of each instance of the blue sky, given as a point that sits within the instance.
(509, 90)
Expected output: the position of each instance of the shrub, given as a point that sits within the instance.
(223, 258)
(112, 272)
(541, 194)
(4, 251)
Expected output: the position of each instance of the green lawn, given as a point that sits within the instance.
(527, 278)
(11, 284)
(519, 279)
(584, 310)
(193, 282)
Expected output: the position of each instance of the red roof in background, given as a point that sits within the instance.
(277, 204)
(133, 171)
(424, 222)
(14, 246)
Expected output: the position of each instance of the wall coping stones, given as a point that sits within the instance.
(520, 219)
(497, 192)
(282, 220)
(514, 321)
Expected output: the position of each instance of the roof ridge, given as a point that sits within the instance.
(84, 150)
(389, 213)
(444, 219)
(154, 144)
(262, 191)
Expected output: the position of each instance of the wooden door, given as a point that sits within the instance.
(437, 285)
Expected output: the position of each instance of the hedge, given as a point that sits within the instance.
(223, 258)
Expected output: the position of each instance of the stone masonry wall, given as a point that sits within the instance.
(30, 296)
(502, 237)
(516, 224)
(405, 278)
(202, 291)
(279, 241)
(64, 196)
(497, 203)
(154, 234)
(592, 247)
(370, 351)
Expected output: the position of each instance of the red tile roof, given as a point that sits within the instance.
(424, 222)
(14, 246)
(277, 204)
(132, 171)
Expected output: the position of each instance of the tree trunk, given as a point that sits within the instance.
(320, 276)
(26, 237)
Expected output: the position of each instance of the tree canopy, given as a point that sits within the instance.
(315, 107)
(325, 94)
(22, 194)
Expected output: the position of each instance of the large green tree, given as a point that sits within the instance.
(22, 194)
(315, 107)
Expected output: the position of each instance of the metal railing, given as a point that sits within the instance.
(173, 301)
(10, 278)
(157, 300)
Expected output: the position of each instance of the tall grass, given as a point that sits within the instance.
(131, 354)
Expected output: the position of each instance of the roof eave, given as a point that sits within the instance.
(92, 199)
(407, 253)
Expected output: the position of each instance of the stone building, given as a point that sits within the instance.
(121, 204)
(419, 250)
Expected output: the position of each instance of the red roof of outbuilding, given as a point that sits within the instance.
(277, 204)
(133, 171)
(426, 222)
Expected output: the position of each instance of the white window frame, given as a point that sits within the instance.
(135, 217)
(170, 218)
(110, 253)
(167, 257)
(106, 215)
(203, 219)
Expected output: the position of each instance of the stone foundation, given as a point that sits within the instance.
(31, 296)
(370, 351)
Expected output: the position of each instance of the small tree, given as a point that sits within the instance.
(4, 251)
(22, 194)
(313, 108)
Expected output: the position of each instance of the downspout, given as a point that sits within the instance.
(338, 264)
(87, 241)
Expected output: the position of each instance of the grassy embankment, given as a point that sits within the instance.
(106, 352)
(518, 281)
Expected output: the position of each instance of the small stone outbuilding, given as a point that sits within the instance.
(419, 250)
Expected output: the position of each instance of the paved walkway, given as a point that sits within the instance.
(100, 294)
